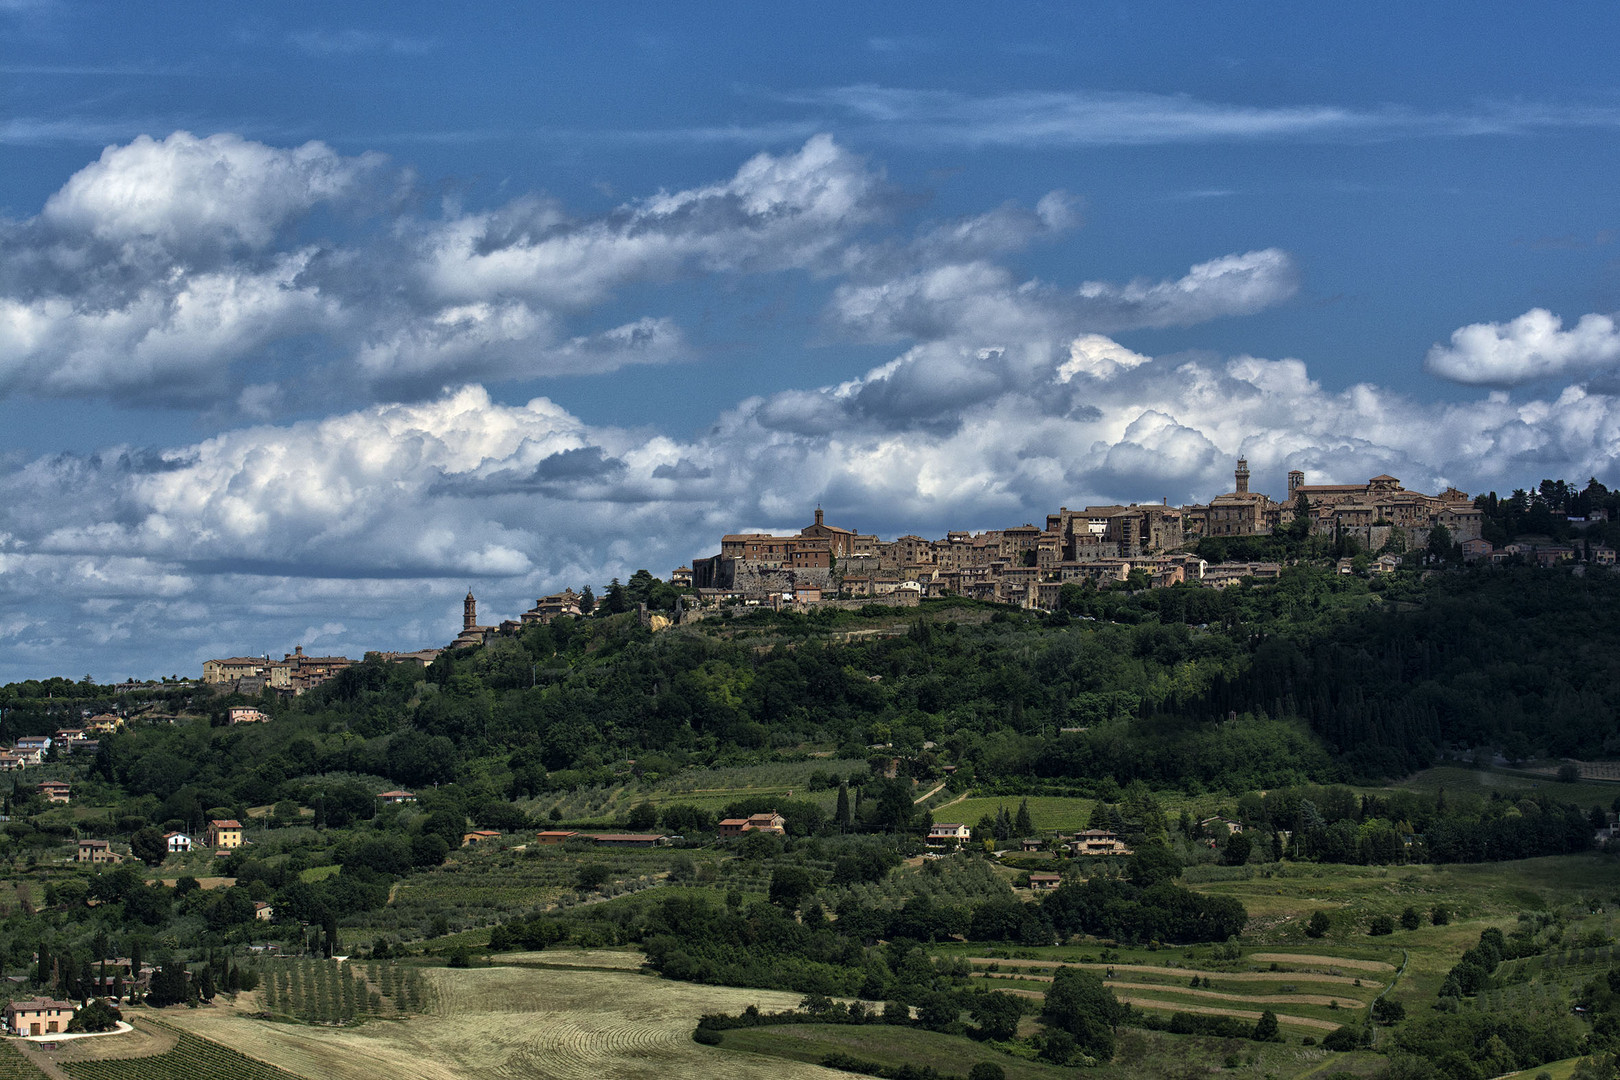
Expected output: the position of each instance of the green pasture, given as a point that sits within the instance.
(711, 789)
(1050, 813)
(1140, 1054)
(1456, 780)
(950, 1055)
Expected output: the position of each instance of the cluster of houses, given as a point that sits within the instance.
(1028, 565)
(114, 978)
(770, 823)
(1478, 550)
(292, 675)
(32, 750)
(223, 835)
(948, 836)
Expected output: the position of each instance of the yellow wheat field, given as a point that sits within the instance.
(510, 1023)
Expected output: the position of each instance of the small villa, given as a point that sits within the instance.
(224, 833)
(948, 833)
(39, 1016)
(97, 852)
(770, 822)
(1098, 842)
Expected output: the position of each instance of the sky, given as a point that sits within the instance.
(314, 316)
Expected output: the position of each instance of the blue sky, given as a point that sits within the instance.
(311, 316)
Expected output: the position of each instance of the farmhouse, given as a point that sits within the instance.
(178, 842)
(1045, 882)
(770, 822)
(97, 852)
(246, 714)
(263, 911)
(478, 836)
(948, 833)
(554, 836)
(55, 791)
(1098, 842)
(397, 797)
(224, 833)
(39, 1016)
(1215, 824)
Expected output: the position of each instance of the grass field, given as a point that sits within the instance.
(1456, 780)
(1050, 813)
(951, 1055)
(708, 788)
(510, 1022)
(1311, 993)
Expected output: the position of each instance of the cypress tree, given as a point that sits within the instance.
(1024, 825)
(841, 814)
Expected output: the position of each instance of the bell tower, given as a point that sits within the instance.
(469, 612)
(1242, 476)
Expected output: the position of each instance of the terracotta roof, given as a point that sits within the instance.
(225, 823)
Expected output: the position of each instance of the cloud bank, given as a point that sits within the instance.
(217, 270)
(378, 518)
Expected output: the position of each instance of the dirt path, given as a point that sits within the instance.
(1235, 976)
(953, 802)
(1326, 961)
(930, 795)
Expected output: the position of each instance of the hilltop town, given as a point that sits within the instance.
(1140, 545)
(1028, 565)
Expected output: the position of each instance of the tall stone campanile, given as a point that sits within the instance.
(1242, 475)
(469, 612)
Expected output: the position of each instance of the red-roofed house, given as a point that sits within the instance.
(39, 1016)
(224, 834)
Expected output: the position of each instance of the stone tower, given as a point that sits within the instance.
(469, 612)
(1296, 480)
(1242, 475)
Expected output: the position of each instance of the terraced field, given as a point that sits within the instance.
(509, 1023)
(1315, 994)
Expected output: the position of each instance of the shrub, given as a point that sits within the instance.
(707, 1036)
(1341, 1040)
(1318, 925)
(1410, 920)
(987, 1070)
(1381, 925)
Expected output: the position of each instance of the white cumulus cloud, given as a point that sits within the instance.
(1533, 346)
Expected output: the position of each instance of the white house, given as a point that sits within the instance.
(949, 833)
(179, 842)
